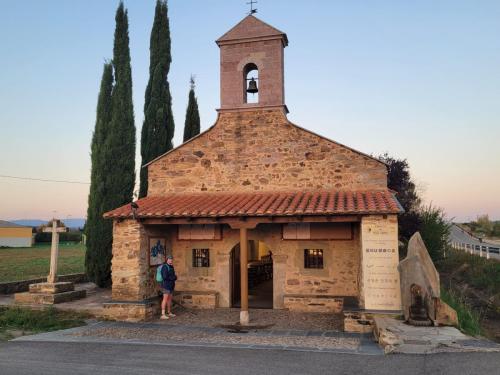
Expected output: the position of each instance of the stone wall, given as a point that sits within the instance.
(132, 312)
(196, 300)
(267, 56)
(261, 150)
(130, 271)
(321, 304)
(134, 280)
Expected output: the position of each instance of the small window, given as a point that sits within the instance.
(313, 258)
(201, 258)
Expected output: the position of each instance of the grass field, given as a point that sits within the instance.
(33, 262)
(18, 321)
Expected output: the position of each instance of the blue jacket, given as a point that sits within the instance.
(169, 277)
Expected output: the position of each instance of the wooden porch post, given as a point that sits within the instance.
(244, 318)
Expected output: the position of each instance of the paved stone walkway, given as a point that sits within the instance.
(397, 337)
(198, 336)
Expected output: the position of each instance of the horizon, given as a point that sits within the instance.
(419, 81)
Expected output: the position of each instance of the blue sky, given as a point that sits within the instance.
(420, 80)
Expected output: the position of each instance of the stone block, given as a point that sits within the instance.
(358, 322)
(52, 288)
(313, 303)
(446, 315)
(196, 300)
(131, 311)
(48, 298)
(420, 282)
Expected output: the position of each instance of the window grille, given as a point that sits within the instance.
(201, 258)
(313, 258)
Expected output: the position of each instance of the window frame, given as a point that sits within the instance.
(314, 259)
(200, 258)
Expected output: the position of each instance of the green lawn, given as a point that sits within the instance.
(33, 262)
(18, 321)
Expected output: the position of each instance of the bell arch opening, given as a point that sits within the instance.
(260, 276)
(251, 83)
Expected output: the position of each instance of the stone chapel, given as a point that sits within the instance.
(257, 211)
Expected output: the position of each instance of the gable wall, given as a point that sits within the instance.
(261, 150)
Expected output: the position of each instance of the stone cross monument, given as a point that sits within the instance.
(54, 250)
(52, 291)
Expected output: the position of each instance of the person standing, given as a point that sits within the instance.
(167, 287)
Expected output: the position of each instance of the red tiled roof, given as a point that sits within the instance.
(223, 204)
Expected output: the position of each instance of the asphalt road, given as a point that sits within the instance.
(458, 235)
(81, 358)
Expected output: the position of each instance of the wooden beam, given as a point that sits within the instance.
(252, 221)
(244, 318)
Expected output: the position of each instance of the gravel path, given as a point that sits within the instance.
(220, 336)
(220, 326)
(275, 319)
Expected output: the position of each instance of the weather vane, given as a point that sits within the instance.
(252, 10)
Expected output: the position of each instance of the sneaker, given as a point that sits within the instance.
(171, 315)
(164, 317)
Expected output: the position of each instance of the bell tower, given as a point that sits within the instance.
(252, 66)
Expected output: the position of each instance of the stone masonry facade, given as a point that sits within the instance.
(253, 147)
(261, 150)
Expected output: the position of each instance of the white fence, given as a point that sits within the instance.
(481, 250)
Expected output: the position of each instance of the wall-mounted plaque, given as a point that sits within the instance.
(379, 262)
(157, 251)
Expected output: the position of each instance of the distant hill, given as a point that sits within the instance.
(70, 223)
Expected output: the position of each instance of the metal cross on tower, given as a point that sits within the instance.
(252, 10)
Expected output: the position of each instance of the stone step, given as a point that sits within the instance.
(48, 298)
(52, 288)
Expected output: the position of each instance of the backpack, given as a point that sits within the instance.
(159, 277)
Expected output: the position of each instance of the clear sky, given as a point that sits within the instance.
(418, 79)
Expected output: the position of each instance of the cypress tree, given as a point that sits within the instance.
(158, 127)
(192, 123)
(119, 151)
(98, 230)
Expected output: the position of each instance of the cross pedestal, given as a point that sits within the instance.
(52, 291)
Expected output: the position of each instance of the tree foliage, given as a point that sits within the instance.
(430, 221)
(158, 127)
(399, 180)
(113, 154)
(434, 230)
(192, 122)
(97, 229)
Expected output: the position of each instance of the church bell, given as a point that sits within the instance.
(252, 86)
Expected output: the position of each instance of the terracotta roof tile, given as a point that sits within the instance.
(223, 204)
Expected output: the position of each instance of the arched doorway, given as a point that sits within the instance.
(260, 276)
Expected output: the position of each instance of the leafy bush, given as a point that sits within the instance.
(63, 237)
(480, 273)
(468, 319)
(434, 230)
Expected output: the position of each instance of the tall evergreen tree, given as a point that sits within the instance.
(158, 127)
(97, 229)
(118, 176)
(192, 123)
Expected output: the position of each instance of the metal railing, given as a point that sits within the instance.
(481, 250)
